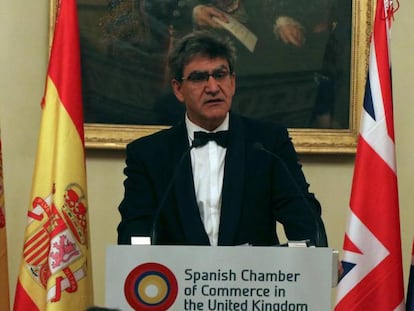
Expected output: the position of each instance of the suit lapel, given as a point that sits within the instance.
(232, 183)
(189, 214)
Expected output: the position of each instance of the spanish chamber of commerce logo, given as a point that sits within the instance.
(151, 287)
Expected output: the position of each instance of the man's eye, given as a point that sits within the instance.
(198, 76)
(221, 74)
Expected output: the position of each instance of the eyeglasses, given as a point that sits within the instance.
(203, 76)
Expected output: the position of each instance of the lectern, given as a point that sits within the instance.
(238, 278)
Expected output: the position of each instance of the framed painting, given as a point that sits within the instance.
(300, 63)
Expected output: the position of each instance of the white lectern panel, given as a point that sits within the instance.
(219, 278)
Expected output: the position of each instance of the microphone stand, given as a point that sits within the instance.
(154, 233)
(320, 239)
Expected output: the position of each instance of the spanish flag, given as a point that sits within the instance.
(4, 275)
(55, 266)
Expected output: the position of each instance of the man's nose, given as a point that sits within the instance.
(212, 84)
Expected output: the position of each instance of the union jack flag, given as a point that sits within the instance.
(372, 259)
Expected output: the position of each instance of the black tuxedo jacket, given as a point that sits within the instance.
(258, 189)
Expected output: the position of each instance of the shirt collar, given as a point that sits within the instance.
(191, 127)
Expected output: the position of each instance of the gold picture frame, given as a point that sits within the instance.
(306, 140)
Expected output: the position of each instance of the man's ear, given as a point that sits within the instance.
(233, 83)
(176, 86)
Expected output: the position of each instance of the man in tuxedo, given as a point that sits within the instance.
(216, 178)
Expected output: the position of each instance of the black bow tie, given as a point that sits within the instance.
(202, 138)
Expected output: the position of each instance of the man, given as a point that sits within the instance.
(183, 190)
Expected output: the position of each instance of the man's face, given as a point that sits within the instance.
(207, 98)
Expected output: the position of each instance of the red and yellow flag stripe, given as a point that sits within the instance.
(4, 279)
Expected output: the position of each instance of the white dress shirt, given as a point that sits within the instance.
(208, 171)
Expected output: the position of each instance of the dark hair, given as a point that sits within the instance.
(200, 43)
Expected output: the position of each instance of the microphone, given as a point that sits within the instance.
(154, 234)
(320, 238)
